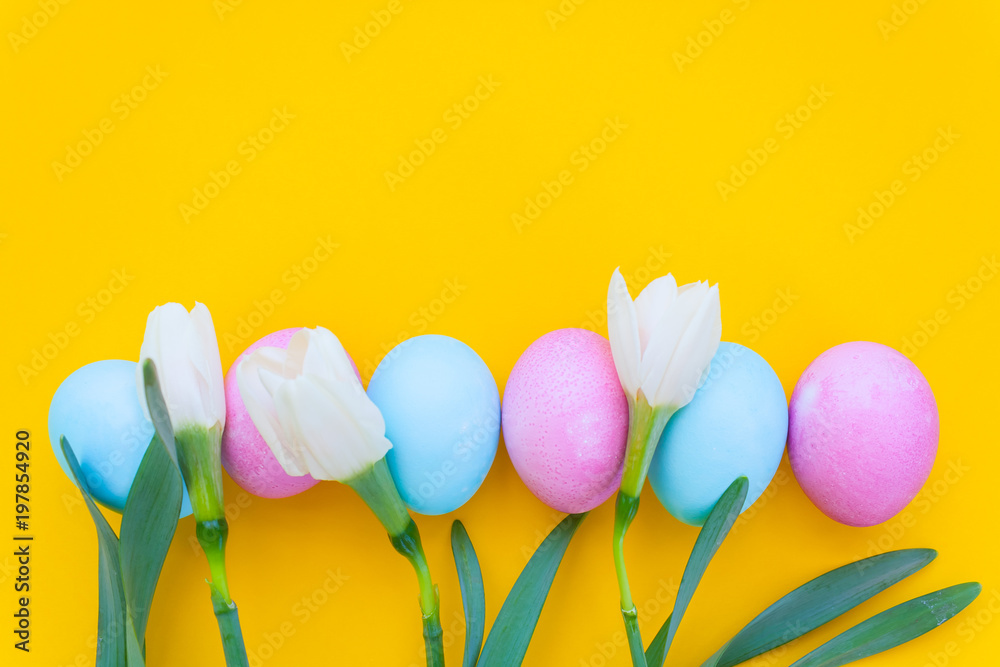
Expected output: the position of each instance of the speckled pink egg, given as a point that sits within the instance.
(862, 432)
(245, 455)
(565, 420)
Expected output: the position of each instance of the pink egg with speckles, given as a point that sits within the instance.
(245, 455)
(862, 432)
(565, 420)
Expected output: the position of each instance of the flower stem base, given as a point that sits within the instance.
(634, 637)
(229, 628)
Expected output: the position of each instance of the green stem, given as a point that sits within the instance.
(212, 536)
(634, 637)
(199, 458)
(376, 488)
(433, 642)
(229, 628)
(626, 507)
(646, 424)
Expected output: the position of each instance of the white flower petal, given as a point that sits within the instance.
(653, 301)
(694, 353)
(665, 338)
(183, 347)
(259, 404)
(623, 333)
(313, 412)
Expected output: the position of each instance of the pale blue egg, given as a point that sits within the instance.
(736, 425)
(442, 414)
(97, 409)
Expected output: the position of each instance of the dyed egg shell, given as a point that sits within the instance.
(735, 425)
(863, 432)
(565, 420)
(442, 414)
(245, 454)
(97, 409)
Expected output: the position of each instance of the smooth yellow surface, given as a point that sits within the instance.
(797, 272)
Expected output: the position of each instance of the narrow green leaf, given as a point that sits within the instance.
(508, 640)
(657, 650)
(111, 637)
(717, 526)
(470, 581)
(158, 408)
(148, 525)
(892, 627)
(136, 651)
(818, 602)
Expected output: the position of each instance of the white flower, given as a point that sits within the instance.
(311, 409)
(664, 341)
(186, 353)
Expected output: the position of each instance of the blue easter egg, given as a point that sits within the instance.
(735, 425)
(442, 414)
(97, 409)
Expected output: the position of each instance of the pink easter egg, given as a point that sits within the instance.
(565, 420)
(245, 454)
(862, 432)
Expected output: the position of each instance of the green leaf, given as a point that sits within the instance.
(148, 525)
(508, 640)
(136, 652)
(892, 627)
(717, 526)
(111, 637)
(656, 653)
(158, 408)
(470, 581)
(818, 602)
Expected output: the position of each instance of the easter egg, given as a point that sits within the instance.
(97, 409)
(565, 420)
(245, 455)
(863, 432)
(442, 415)
(734, 426)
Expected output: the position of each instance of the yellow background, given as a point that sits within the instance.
(653, 191)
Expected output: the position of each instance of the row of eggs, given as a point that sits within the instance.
(861, 428)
